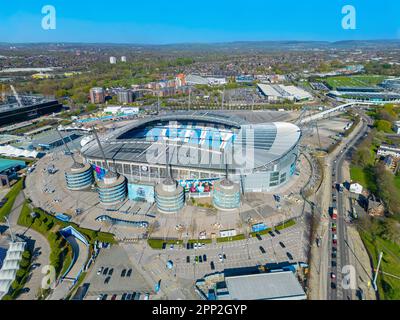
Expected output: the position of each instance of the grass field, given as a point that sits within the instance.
(11, 196)
(354, 81)
(388, 286)
(357, 174)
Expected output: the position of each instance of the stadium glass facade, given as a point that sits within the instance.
(79, 178)
(170, 203)
(226, 195)
(112, 193)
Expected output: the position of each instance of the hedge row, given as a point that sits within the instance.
(11, 196)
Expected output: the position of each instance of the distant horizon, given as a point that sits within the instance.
(205, 43)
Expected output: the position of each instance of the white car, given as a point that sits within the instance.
(99, 271)
(100, 297)
(220, 257)
(195, 246)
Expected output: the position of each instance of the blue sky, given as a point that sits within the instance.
(175, 21)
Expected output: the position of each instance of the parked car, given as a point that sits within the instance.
(128, 296)
(289, 255)
(105, 296)
(212, 265)
(224, 256)
(220, 258)
(262, 249)
(123, 297)
(188, 259)
(99, 271)
(258, 236)
(123, 273)
(105, 271)
(333, 276)
(111, 271)
(204, 257)
(114, 297)
(200, 259)
(187, 246)
(129, 273)
(107, 280)
(163, 246)
(271, 233)
(281, 244)
(277, 231)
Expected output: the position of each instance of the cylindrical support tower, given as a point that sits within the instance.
(169, 196)
(79, 176)
(226, 195)
(112, 189)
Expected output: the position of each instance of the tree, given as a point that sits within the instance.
(384, 126)
(362, 157)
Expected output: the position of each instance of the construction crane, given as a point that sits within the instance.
(16, 96)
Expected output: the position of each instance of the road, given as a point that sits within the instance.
(343, 250)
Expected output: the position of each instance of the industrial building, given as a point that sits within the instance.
(358, 95)
(278, 93)
(51, 139)
(392, 84)
(27, 108)
(279, 284)
(9, 169)
(192, 79)
(203, 148)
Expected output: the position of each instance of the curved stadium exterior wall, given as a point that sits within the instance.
(272, 164)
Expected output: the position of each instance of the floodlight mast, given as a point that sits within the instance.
(101, 149)
(66, 147)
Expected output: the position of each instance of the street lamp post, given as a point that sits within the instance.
(9, 227)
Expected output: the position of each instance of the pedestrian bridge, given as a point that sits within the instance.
(323, 114)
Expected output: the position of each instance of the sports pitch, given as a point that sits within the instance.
(355, 81)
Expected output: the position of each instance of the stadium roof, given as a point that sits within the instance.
(268, 141)
(281, 285)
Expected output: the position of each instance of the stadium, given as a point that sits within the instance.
(197, 149)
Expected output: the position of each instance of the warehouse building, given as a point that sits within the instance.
(278, 93)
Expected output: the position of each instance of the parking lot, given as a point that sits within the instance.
(114, 274)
